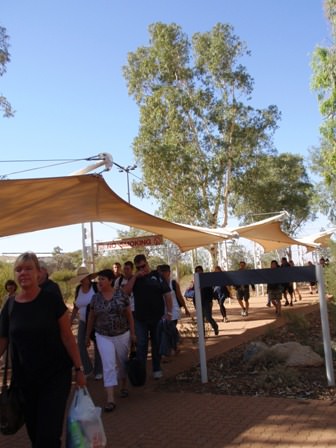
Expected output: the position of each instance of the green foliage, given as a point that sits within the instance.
(197, 131)
(323, 82)
(237, 253)
(62, 278)
(330, 272)
(274, 183)
(4, 60)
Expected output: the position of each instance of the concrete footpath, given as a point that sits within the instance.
(149, 418)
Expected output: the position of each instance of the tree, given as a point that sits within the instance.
(197, 131)
(325, 192)
(4, 60)
(275, 183)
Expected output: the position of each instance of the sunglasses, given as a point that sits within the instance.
(141, 266)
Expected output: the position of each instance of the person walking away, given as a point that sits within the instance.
(112, 320)
(221, 293)
(274, 291)
(243, 293)
(43, 351)
(207, 297)
(296, 291)
(312, 284)
(287, 287)
(152, 302)
(84, 292)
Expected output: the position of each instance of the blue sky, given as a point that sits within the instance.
(65, 82)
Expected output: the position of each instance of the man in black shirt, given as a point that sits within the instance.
(151, 298)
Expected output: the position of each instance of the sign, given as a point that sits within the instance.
(130, 243)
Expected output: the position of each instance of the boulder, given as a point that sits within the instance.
(297, 355)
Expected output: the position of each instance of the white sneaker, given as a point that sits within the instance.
(157, 375)
(99, 376)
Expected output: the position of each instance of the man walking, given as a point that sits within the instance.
(151, 297)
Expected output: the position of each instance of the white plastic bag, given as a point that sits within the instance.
(84, 425)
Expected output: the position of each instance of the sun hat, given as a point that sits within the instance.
(82, 272)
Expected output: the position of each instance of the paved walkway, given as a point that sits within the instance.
(149, 418)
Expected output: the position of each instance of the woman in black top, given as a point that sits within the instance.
(43, 353)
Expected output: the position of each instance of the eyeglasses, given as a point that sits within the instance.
(141, 266)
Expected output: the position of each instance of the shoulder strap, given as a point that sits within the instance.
(11, 300)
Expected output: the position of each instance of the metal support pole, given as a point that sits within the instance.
(128, 187)
(84, 255)
(93, 264)
(325, 326)
(200, 329)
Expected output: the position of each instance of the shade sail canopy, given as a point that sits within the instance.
(322, 239)
(267, 233)
(28, 205)
(36, 204)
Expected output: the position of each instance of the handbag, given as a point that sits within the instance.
(11, 409)
(136, 370)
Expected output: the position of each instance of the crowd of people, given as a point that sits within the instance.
(115, 309)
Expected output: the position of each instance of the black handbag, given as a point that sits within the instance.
(136, 370)
(11, 403)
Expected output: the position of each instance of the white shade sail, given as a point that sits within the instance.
(36, 204)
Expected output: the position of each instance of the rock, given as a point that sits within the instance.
(296, 354)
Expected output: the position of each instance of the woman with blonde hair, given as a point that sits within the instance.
(43, 349)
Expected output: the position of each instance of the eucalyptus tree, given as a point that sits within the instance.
(198, 131)
(324, 83)
(275, 183)
(5, 106)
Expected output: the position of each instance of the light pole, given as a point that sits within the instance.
(126, 169)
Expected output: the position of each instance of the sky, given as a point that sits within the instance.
(66, 84)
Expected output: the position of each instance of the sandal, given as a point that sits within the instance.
(124, 393)
(110, 407)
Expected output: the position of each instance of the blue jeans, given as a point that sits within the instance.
(144, 330)
(83, 351)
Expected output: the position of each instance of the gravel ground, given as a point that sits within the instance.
(229, 374)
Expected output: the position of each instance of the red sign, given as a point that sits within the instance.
(130, 243)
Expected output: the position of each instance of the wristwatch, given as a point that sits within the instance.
(79, 369)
